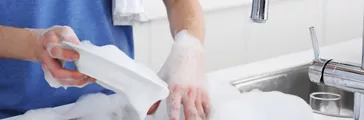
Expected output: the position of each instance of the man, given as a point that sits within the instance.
(29, 46)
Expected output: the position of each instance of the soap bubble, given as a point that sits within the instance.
(256, 105)
(89, 107)
(41, 114)
(228, 104)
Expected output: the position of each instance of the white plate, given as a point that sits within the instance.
(114, 70)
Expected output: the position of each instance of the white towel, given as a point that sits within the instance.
(128, 12)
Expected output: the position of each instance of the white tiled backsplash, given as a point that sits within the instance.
(232, 39)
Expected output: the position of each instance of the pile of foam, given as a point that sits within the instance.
(257, 105)
(89, 107)
(228, 104)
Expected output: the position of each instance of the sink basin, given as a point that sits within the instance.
(295, 81)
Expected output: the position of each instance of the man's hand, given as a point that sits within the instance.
(50, 53)
(184, 68)
(184, 72)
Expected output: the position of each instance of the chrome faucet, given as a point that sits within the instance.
(346, 76)
(259, 12)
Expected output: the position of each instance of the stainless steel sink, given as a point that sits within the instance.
(295, 81)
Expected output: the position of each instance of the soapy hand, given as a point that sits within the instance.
(184, 72)
(50, 54)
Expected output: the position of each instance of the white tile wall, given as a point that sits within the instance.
(343, 20)
(286, 30)
(225, 44)
(161, 42)
(155, 8)
(142, 43)
(231, 39)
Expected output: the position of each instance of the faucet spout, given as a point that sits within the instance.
(259, 13)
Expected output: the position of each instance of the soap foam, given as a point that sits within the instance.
(89, 107)
(256, 105)
(227, 102)
(41, 114)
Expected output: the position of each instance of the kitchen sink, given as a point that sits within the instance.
(295, 81)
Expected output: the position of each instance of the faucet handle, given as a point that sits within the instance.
(315, 45)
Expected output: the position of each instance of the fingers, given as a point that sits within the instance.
(198, 104)
(66, 77)
(56, 51)
(52, 38)
(174, 102)
(195, 101)
(189, 106)
(90, 79)
(206, 104)
(65, 33)
(52, 50)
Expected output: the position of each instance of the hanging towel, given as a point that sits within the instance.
(128, 12)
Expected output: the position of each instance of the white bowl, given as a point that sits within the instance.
(114, 70)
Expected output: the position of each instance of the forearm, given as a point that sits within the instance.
(16, 43)
(188, 15)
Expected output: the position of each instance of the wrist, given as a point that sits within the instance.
(17, 43)
(186, 58)
(187, 46)
(35, 43)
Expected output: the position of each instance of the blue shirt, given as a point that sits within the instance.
(22, 84)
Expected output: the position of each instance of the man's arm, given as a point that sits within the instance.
(188, 15)
(17, 43)
(184, 67)
(43, 45)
